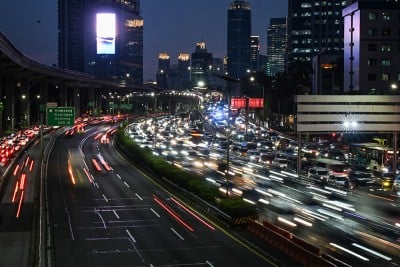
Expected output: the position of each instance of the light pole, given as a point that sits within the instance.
(153, 94)
(229, 81)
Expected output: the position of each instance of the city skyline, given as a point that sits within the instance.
(38, 17)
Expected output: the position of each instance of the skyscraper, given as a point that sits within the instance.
(371, 50)
(254, 52)
(313, 27)
(164, 68)
(238, 39)
(184, 70)
(276, 45)
(201, 65)
(88, 40)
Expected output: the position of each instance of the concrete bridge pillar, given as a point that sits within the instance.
(76, 101)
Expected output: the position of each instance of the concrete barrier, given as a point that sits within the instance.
(277, 238)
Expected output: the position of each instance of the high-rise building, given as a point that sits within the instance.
(201, 65)
(217, 70)
(164, 62)
(88, 41)
(238, 39)
(254, 52)
(314, 26)
(276, 45)
(184, 70)
(164, 68)
(371, 47)
(263, 63)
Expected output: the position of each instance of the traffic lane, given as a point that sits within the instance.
(327, 224)
(143, 187)
(16, 207)
(88, 228)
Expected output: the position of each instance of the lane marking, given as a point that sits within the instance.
(138, 196)
(115, 213)
(130, 235)
(155, 212)
(105, 198)
(175, 232)
(119, 176)
(126, 184)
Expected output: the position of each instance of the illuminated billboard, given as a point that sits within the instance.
(105, 33)
(243, 102)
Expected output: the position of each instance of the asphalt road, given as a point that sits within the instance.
(17, 207)
(110, 218)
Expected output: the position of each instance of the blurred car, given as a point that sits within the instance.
(396, 184)
(280, 162)
(385, 179)
(361, 175)
(319, 174)
(341, 181)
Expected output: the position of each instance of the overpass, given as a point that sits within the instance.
(26, 86)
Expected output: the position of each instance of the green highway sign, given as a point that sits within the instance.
(60, 116)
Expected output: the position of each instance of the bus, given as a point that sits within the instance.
(370, 154)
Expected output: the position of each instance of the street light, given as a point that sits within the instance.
(129, 76)
(260, 78)
(229, 80)
(154, 119)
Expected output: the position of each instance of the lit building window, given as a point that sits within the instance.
(372, 16)
(385, 15)
(385, 48)
(386, 62)
(385, 77)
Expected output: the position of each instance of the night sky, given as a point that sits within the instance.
(171, 26)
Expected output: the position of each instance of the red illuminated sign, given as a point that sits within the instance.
(256, 103)
(238, 102)
(252, 102)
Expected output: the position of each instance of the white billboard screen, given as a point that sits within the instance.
(105, 33)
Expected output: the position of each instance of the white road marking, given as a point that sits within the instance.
(105, 198)
(173, 230)
(138, 196)
(126, 184)
(115, 213)
(130, 235)
(209, 263)
(155, 212)
(119, 176)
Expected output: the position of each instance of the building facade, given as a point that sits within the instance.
(201, 65)
(238, 39)
(371, 47)
(164, 70)
(276, 45)
(314, 26)
(184, 70)
(254, 53)
(88, 41)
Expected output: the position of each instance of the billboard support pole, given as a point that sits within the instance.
(299, 153)
(394, 153)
